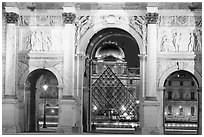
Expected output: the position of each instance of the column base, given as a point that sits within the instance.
(10, 129)
(151, 131)
(69, 130)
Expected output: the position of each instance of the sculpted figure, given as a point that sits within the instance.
(163, 46)
(176, 41)
(191, 43)
(198, 38)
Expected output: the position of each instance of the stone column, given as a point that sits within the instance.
(11, 45)
(143, 58)
(151, 18)
(69, 48)
(79, 77)
(152, 102)
(10, 115)
(199, 110)
(67, 104)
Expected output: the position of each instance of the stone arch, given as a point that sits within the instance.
(194, 72)
(52, 69)
(83, 43)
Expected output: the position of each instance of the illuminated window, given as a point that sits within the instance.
(169, 95)
(192, 110)
(180, 110)
(192, 95)
(131, 81)
(169, 110)
(170, 83)
(192, 83)
(181, 95)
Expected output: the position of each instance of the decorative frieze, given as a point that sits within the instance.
(152, 18)
(11, 17)
(180, 21)
(42, 20)
(180, 39)
(68, 18)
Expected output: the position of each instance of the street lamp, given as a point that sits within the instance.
(44, 119)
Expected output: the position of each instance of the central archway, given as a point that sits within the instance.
(112, 43)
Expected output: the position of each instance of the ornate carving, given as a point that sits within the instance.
(40, 20)
(11, 17)
(137, 23)
(68, 18)
(83, 23)
(180, 21)
(38, 41)
(152, 18)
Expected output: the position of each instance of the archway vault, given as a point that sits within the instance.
(84, 40)
(51, 69)
(165, 75)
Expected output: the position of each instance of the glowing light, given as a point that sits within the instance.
(180, 106)
(123, 108)
(128, 117)
(137, 102)
(53, 111)
(177, 113)
(165, 113)
(45, 87)
(125, 114)
(95, 108)
(189, 114)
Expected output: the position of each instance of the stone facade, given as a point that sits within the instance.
(56, 39)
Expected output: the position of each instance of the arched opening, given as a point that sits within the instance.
(111, 81)
(181, 103)
(41, 101)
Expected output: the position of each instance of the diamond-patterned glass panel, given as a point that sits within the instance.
(111, 100)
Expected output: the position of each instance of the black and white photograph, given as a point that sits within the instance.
(101, 68)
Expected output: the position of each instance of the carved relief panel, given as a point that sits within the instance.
(179, 39)
(41, 39)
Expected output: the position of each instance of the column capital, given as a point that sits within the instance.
(69, 15)
(152, 18)
(11, 17)
(68, 18)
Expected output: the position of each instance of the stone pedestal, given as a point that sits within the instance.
(68, 117)
(10, 116)
(151, 118)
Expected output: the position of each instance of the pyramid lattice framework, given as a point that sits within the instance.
(109, 94)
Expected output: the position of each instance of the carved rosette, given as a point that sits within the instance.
(68, 18)
(152, 18)
(11, 17)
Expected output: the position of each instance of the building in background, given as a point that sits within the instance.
(76, 67)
